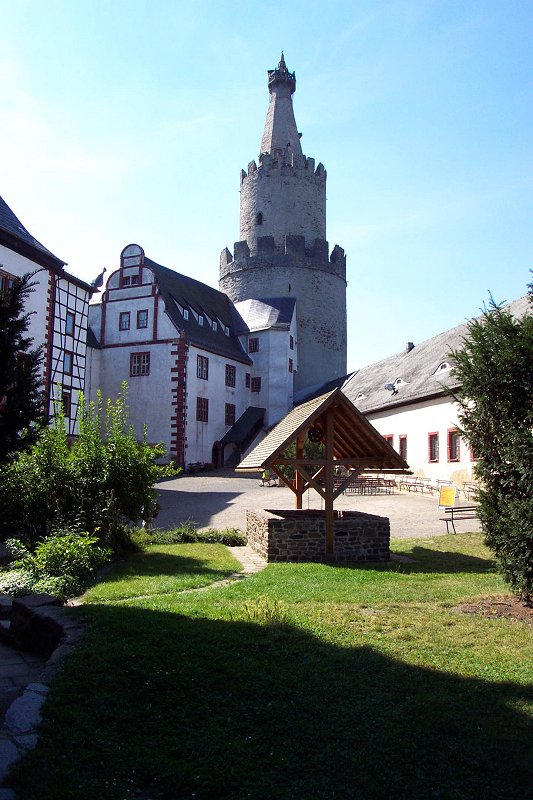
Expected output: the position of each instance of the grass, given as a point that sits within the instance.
(305, 681)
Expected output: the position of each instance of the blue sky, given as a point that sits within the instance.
(129, 121)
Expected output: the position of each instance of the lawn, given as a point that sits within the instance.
(305, 681)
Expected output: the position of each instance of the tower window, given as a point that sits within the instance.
(259, 218)
(124, 321)
(229, 414)
(230, 375)
(253, 345)
(139, 364)
(403, 447)
(202, 409)
(142, 318)
(256, 385)
(433, 447)
(70, 321)
(68, 360)
(202, 367)
(453, 445)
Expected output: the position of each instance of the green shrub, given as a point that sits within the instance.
(98, 484)
(16, 549)
(61, 586)
(74, 554)
(16, 582)
(494, 368)
(187, 533)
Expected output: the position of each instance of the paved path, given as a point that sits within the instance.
(220, 500)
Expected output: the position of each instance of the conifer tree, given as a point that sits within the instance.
(495, 368)
(21, 390)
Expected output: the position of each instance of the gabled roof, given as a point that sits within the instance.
(204, 300)
(265, 313)
(422, 373)
(238, 432)
(15, 236)
(355, 440)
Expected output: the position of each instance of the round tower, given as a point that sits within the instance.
(283, 250)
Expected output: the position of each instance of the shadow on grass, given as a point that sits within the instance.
(150, 564)
(162, 706)
(425, 560)
(429, 560)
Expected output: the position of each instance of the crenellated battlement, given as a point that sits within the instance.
(286, 162)
(293, 253)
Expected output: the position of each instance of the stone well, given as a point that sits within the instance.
(300, 535)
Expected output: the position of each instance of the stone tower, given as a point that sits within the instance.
(283, 250)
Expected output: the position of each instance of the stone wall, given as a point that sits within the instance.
(301, 536)
(319, 286)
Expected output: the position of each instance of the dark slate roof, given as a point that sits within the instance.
(417, 369)
(204, 300)
(92, 341)
(16, 233)
(240, 431)
(265, 312)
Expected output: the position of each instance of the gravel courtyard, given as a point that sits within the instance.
(220, 500)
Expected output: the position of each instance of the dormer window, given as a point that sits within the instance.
(185, 313)
(399, 382)
(443, 367)
(361, 396)
(214, 326)
(200, 320)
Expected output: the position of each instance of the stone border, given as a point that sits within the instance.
(40, 625)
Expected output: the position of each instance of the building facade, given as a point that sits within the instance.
(208, 370)
(58, 307)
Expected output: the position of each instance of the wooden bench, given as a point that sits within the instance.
(455, 514)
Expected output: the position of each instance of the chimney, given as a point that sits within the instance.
(409, 346)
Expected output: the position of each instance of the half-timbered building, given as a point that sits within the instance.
(59, 312)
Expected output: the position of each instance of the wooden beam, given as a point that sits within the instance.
(329, 427)
(299, 484)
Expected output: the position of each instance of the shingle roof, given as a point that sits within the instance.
(204, 300)
(417, 370)
(240, 431)
(11, 225)
(353, 438)
(264, 313)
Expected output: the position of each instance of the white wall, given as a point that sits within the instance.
(200, 436)
(418, 420)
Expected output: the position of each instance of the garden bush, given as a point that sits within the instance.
(494, 367)
(104, 479)
(16, 582)
(187, 533)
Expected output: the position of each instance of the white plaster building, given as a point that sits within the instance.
(59, 311)
(173, 340)
(406, 399)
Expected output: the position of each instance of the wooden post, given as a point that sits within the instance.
(330, 418)
(297, 477)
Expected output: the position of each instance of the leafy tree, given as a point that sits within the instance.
(495, 368)
(104, 480)
(21, 395)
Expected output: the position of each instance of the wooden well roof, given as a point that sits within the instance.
(356, 443)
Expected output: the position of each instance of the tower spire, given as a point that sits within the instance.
(280, 131)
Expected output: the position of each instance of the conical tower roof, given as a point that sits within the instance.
(280, 126)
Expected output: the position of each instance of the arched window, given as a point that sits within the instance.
(259, 218)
